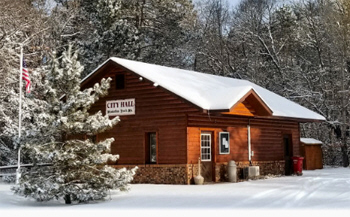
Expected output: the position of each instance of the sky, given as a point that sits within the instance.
(233, 2)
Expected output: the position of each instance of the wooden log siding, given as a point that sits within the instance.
(266, 137)
(157, 110)
(313, 156)
(179, 123)
(242, 108)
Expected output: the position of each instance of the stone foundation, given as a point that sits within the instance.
(184, 173)
(159, 174)
(192, 171)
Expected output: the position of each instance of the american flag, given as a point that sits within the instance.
(25, 76)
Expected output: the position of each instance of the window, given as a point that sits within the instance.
(206, 147)
(151, 148)
(120, 81)
(224, 141)
(93, 138)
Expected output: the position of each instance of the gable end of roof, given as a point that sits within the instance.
(211, 92)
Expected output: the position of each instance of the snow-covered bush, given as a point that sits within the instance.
(79, 170)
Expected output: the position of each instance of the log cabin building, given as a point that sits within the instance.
(171, 117)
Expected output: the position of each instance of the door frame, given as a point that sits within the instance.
(147, 148)
(212, 151)
(288, 165)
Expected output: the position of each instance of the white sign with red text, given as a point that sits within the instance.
(120, 107)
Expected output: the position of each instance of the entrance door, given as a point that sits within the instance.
(288, 153)
(206, 157)
(151, 148)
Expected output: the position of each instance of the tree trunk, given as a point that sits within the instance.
(67, 199)
(344, 150)
(344, 145)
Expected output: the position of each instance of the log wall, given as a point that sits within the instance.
(178, 125)
(266, 137)
(157, 110)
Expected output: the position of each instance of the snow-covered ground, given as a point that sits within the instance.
(325, 191)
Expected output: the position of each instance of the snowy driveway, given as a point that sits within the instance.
(321, 189)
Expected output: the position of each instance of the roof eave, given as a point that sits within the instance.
(205, 110)
(298, 119)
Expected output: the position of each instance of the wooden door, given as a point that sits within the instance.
(288, 153)
(313, 157)
(151, 148)
(207, 156)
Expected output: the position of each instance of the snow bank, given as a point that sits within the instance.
(322, 190)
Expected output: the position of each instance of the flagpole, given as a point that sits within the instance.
(18, 174)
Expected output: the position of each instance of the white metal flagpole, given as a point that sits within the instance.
(18, 174)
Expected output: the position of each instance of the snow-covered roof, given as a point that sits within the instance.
(212, 92)
(310, 141)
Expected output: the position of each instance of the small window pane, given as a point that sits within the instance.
(153, 147)
(224, 141)
(120, 81)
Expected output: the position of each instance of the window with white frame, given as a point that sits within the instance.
(206, 147)
(224, 141)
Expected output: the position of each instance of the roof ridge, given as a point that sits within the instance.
(211, 92)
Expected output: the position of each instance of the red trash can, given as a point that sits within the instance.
(298, 165)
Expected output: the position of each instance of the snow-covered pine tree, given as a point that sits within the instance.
(79, 170)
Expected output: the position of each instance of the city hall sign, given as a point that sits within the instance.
(120, 107)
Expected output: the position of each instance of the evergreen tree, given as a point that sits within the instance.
(79, 171)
